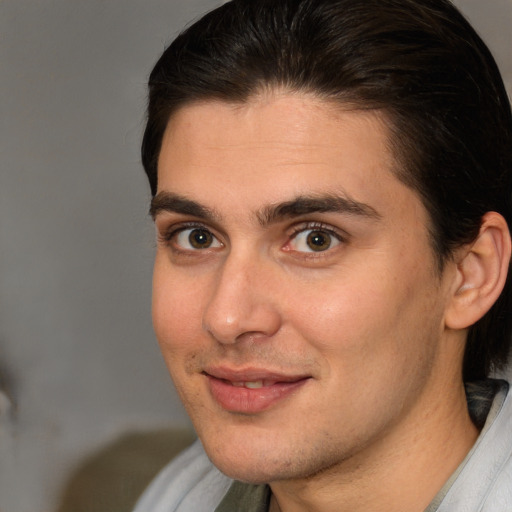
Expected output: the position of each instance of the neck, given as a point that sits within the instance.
(402, 470)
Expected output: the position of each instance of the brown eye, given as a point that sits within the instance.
(315, 240)
(318, 240)
(200, 239)
(196, 239)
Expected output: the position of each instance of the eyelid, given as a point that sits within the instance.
(340, 235)
(168, 234)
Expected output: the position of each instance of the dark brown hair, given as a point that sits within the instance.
(418, 61)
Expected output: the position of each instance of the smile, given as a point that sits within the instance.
(251, 393)
(251, 385)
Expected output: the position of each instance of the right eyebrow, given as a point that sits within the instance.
(169, 202)
(322, 203)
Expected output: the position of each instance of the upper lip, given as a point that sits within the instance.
(252, 374)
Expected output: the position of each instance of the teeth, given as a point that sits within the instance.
(254, 385)
(251, 385)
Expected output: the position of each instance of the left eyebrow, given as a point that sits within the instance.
(169, 202)
(304, 205)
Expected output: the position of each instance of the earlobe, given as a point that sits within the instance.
(482, 268)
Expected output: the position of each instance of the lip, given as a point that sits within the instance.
(229, 388)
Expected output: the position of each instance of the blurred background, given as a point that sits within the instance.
(87, 410)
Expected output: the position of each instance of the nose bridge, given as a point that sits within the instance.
(241, 301)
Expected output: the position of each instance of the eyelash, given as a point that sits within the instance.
(168, 237)
(340, 237)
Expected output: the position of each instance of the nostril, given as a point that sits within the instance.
(252, 324)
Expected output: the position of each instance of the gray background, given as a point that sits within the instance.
(79, 366)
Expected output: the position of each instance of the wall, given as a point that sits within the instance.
(79, 366)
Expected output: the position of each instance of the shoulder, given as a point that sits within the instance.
(484, 482)
(189, 482)
(499, 497)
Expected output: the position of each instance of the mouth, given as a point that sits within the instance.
(251, 391)
(255, 384)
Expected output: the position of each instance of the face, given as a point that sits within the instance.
(297, 301)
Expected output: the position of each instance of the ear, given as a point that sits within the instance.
(481, 272)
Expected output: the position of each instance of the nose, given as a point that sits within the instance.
(242, 305)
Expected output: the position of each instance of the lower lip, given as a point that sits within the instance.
(251, 401)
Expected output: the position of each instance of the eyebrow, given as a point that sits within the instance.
(301, 205)
(169, 202)
(304, 205)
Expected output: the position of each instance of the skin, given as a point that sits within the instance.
(379, 421)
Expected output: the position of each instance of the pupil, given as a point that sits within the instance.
(318, 241)
(200, 239)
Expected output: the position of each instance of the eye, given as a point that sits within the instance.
(314, 240)
(196, 238)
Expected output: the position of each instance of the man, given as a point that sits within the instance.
(332, 194)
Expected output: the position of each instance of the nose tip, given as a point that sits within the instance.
(258, 322)
(240, 308)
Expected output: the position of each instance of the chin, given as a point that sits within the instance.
(246, 475)
(238, 464)
(258, 465)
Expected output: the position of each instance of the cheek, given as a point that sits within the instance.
(369, 322)
(340, 314)
(176, 310)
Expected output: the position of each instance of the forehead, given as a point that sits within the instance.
(272, 138)
(237, 161)
(276, 147)
(269, 111)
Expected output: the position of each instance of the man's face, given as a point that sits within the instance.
(297, 301)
